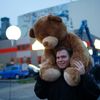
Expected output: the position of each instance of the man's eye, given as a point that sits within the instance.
(57, 57)
(63, 56)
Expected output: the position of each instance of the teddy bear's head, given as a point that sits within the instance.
(49, 30)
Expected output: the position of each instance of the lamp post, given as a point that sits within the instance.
(38, 48)
(12, 33)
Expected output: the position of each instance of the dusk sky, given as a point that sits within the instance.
(15, 8)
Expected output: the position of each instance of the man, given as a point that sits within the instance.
(87, 89)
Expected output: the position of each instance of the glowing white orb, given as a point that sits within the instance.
(13, 33)
(97, 44)
(91, 51)
(85, 43)
(37, 46)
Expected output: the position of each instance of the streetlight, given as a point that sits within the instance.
(85, 43)
(97, 44)
(13, 33)
(37, 46)
(91, 51)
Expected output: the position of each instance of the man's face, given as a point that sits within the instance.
(62, 59)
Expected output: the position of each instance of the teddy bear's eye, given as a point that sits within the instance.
(41, 35)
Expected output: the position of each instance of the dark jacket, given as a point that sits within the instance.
(60, 90)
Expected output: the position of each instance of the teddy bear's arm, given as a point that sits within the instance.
(48, 55)
(80, 52)
(48, 68)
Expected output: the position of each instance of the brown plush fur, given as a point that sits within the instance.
(53, 26)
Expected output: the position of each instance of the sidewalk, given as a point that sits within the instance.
(19, 92)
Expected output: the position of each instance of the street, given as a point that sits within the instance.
(10, 90)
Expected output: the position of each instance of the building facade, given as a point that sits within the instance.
(26, 21)
(22, 49)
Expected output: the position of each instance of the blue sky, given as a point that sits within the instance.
(15, 8)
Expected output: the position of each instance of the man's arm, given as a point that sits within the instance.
(90, 86)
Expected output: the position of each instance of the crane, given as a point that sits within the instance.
(81, 31)
(84, 27)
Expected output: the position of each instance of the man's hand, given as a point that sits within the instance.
(79, 66)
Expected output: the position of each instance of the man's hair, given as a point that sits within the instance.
(69, 50)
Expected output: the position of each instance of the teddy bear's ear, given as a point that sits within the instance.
(31, 33)
(54, 18)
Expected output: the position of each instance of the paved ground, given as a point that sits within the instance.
(17, 91)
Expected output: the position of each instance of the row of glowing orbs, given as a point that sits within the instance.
(14, 33)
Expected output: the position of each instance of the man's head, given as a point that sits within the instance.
(63, 57)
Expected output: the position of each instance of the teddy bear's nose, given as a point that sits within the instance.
(45, 44)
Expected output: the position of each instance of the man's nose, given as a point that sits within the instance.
(60, 59)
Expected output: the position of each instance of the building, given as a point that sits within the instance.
(26, 21)
(71, 18)
(4, 25)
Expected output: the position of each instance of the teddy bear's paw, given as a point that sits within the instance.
(51, 74)
(72, 76)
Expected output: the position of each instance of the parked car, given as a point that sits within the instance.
(13, 71)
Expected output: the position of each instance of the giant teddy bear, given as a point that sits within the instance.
(52, 33)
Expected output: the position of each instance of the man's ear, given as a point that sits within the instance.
(31, 33)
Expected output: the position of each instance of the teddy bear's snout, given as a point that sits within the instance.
(50, 42)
